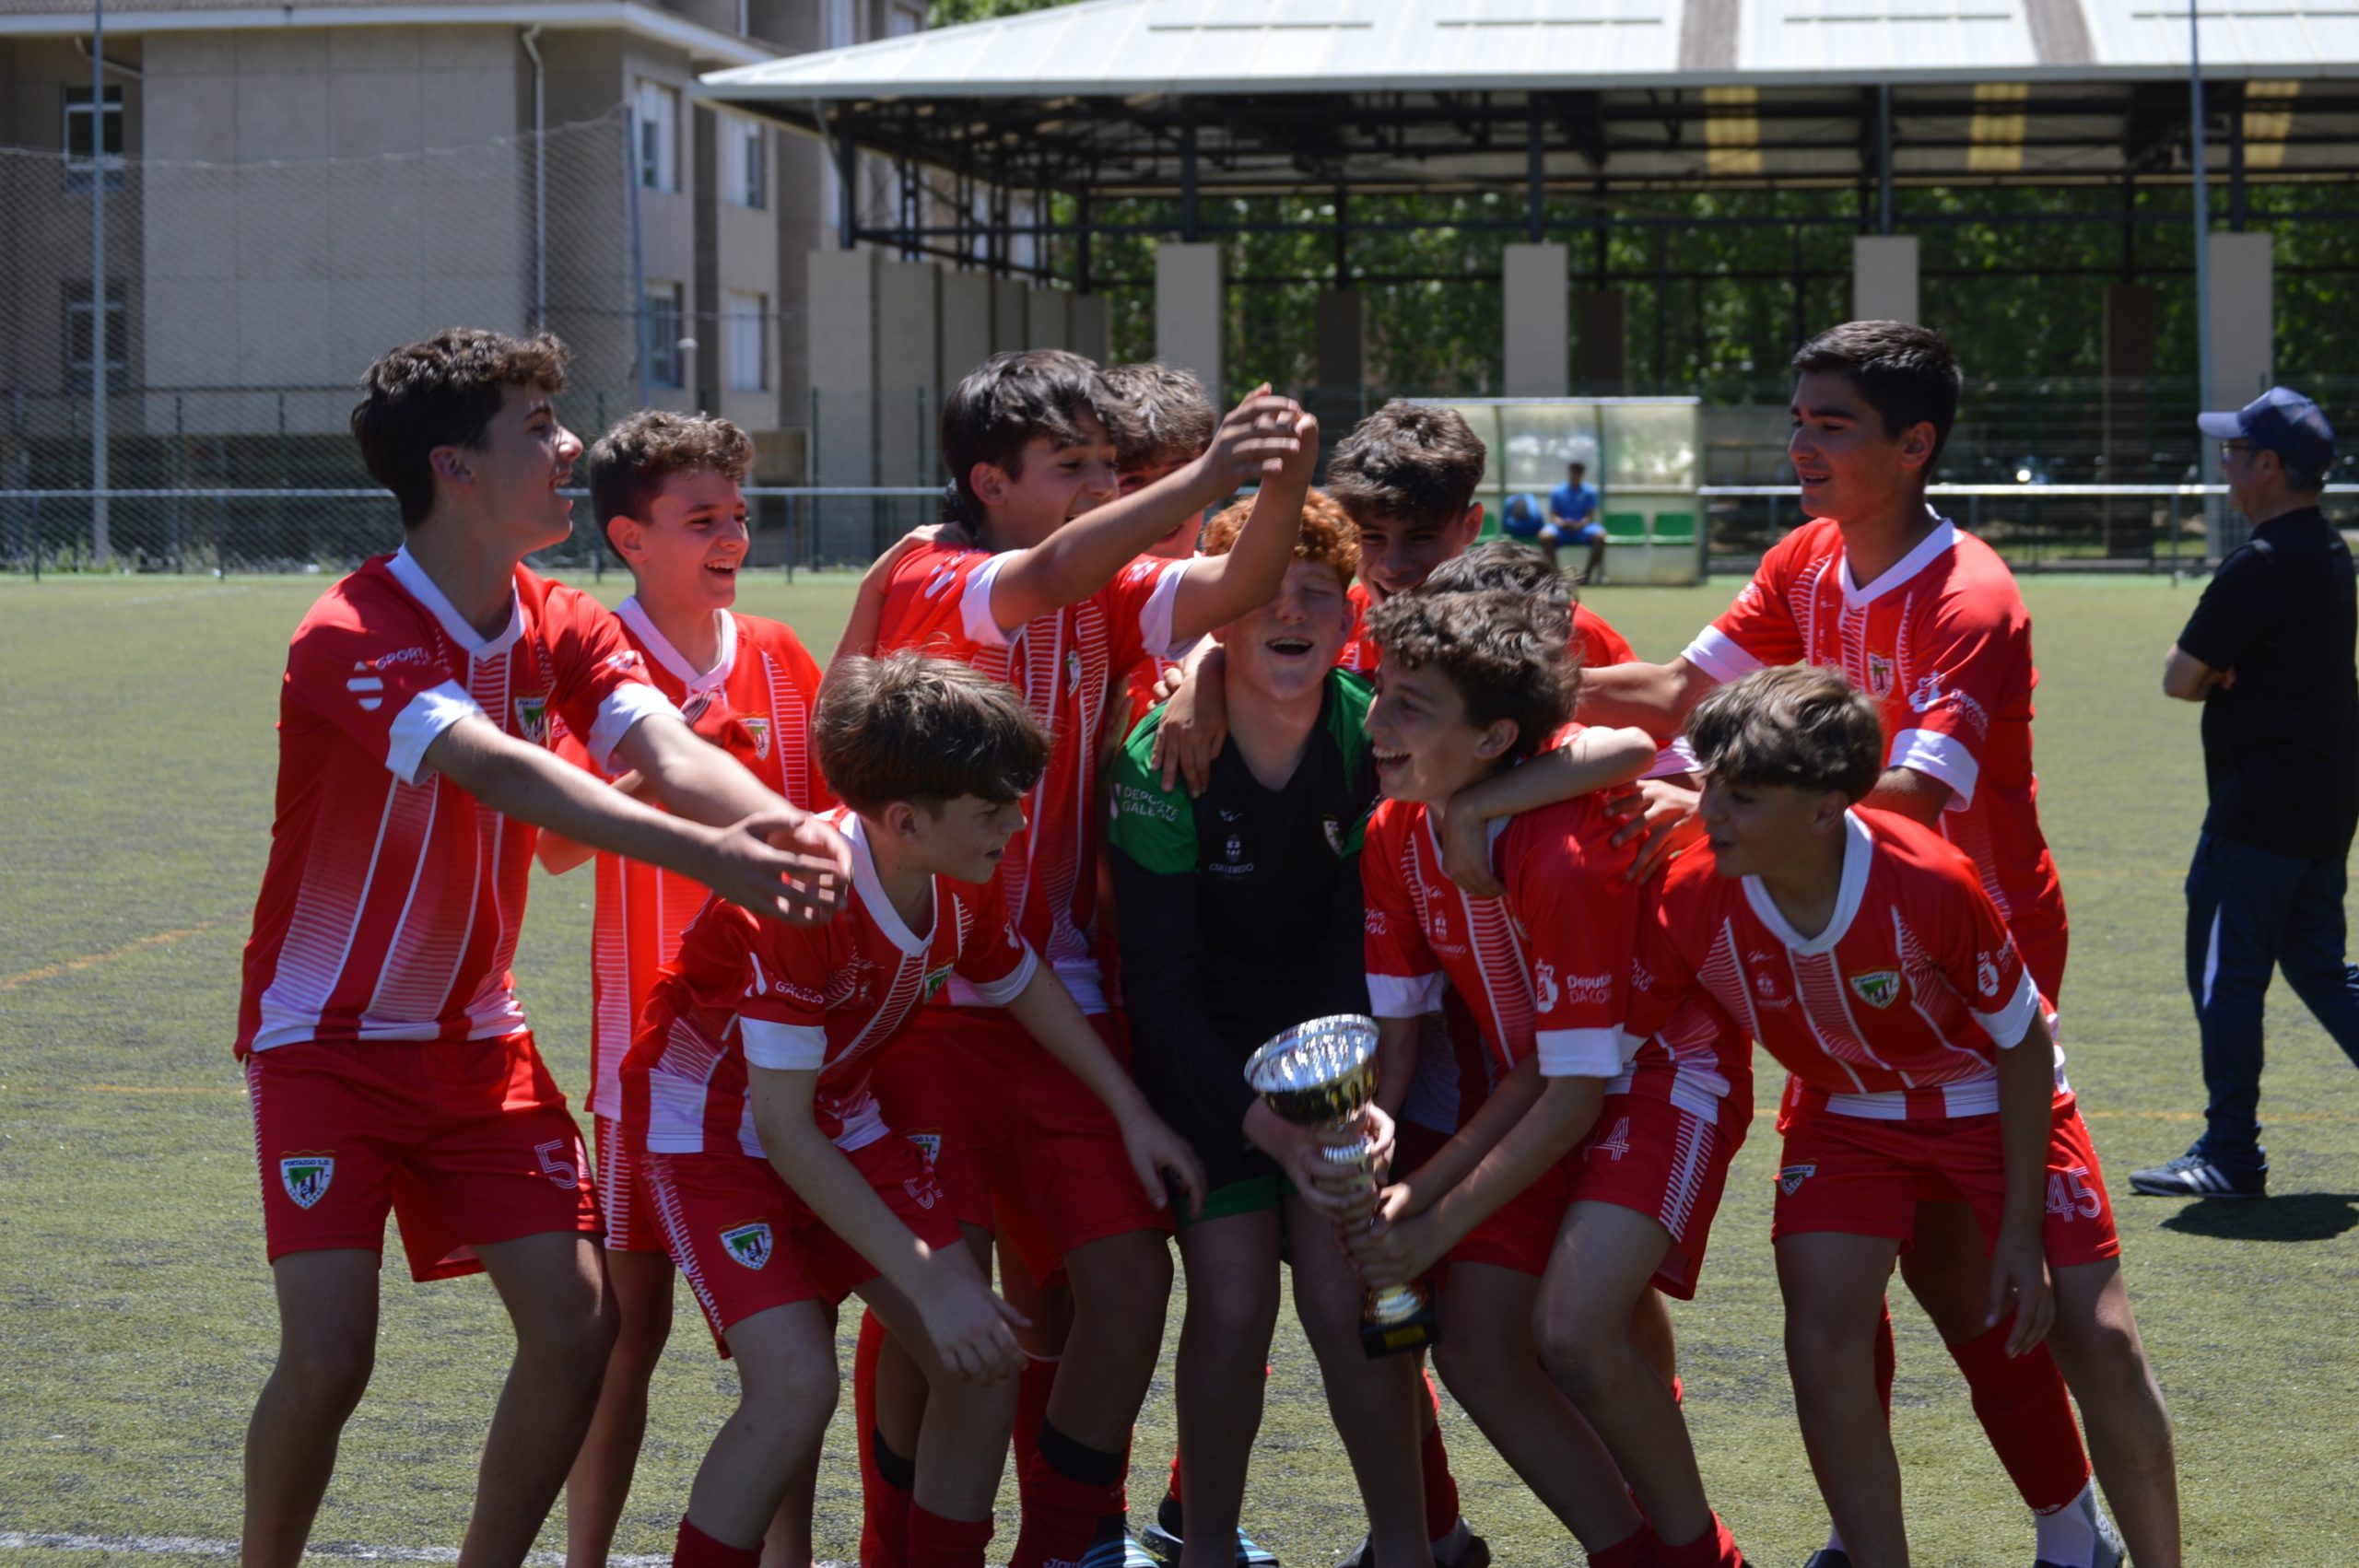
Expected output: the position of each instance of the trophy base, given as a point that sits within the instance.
(1400, 1336)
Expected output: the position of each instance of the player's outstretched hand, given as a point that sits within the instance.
(1394, 1254)
(2019, 1277)
(1155, 1150)
(1660, 818)
(972, 1329)
(1257, 440)
(1194, 727)
(783, 864)
(1300, 466)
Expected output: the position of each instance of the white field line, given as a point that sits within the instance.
(338, 1552)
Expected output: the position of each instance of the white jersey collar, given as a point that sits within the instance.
(1928, 549)
(872, 893)
(1859, 851)
(659, 648)
(422, 588)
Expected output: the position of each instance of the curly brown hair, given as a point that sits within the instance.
(1327, 537)
(1796, 725)
(629, 462)
(1413, 463)
(1509, 568)
(443, 391)
(1496, 650)
(1158, 414)
(908, 728)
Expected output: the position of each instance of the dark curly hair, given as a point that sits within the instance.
(1796, 725)
(443, 391)
(1001, 405)
(1496, 650)
(1509, 568)
(629, 462)
(1413, 463)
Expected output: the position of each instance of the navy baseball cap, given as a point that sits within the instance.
(2279, 420)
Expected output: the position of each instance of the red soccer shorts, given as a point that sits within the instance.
(745, 1243)
(466, 1143)
(1865, 1178)
(1645, 1154)
(631, 1223)
(1018, 1139)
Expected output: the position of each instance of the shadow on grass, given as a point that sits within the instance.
(2299, 1216)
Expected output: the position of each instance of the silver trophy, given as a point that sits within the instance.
(1322, 1074)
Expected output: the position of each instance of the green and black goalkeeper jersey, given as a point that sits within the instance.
(1240, 916)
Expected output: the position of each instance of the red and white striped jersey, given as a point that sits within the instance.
(1898, 1009)
(801, 998)
(939, 601)
(1941, 640)
(755, 701)
(1545, 969)
(391, 900)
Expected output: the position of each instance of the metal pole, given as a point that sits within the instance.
(540, 182)
(1883, 159)
(1535, 174)
(101, 547)
(637, 261)
(2211, 517)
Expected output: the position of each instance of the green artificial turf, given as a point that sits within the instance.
(136, 758)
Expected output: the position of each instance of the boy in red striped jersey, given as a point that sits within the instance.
(779, 1187)
(388, 1063)
(1590, 1176)
(667, 491)
(1865, 953)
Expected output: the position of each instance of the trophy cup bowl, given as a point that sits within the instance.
(1322, 1074)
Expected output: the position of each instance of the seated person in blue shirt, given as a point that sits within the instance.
(1523, 519)
(1572, 510)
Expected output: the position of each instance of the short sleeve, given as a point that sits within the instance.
(1758, 628)
(1405, 980)
(379, 677)
(938, 600)
(598, 683)
(2236, 611)
(992, 957)
(1980, 962)
(1139, 604)
(1581, 918)
(1153, 826)
(782, 1011)
(1597, 642)
(1970, 664)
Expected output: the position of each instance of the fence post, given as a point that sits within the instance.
(221, 537)
(36, 527)
(180, 476)
(2173, 538)
(811, 461)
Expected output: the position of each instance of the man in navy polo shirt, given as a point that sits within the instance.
(1572, 512)
(2269, 654)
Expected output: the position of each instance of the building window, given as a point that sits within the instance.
(663, 319)
(658, 114)
(77, 337)
(80, 140)
(901, 22)
(747, 320)
(744, 142)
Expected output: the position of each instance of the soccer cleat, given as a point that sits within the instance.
(1460, 1549)
(1827, 1557)
(1117, 1552)
(1162, 1540)
(2193, 1175)
(2110, 1551)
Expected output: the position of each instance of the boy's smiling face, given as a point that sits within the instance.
(1849, 469)
(1056, 482)
(689, 548)
(964, 840)
(1397, 554)
(1287, 646)
(1426, 748)
(1760, 829)
(526, 456)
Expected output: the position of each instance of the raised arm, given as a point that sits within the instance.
(1218, 589)
(1654, 698)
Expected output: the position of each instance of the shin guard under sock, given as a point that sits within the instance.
(884, 1504)
(1073, 1488)
(694, 1549)
(937, 1543)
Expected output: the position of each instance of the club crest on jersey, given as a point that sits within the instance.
(306, 1177)
(929, 1144)
(1790, 1179)
(1543, 981)
(1877, 987)
(934, 981)
(1072, 671)
(1879, 675)
(759, 729)
(533, 718)
(749, 1245)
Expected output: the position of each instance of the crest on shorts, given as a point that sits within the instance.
(759, 729)
(1789, 1180)
(1879, 675)
(306, 1177)
(533, 718)
(749, 1245)
(1877, 987)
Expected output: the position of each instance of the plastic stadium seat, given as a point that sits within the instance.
(1674, 528)
(1625, 526)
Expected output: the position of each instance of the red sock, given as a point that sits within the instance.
(1032, 1387)
(2022, 1405)
(694, 1549)
(1713, 1549)
(1174, 1493)
(884, 1502)
(1636, 1550)
(1886, 1362)
(1678, 1391)
(937, 1543)
(1073, 1488)
(1433, 1459)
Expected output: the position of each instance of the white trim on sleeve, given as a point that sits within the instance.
(1155, 617)
(1719, 656)
(999, 993)
(975, 614)
(1579, 1053)
(783, 1048)
(417, 727)
(1942, 758)
(1674, 761)
(1404, 996)
(2008, 1026)
(624, 707)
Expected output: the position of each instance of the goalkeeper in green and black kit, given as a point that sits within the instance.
(1241, 917)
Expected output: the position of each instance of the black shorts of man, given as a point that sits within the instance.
(2268, 653)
